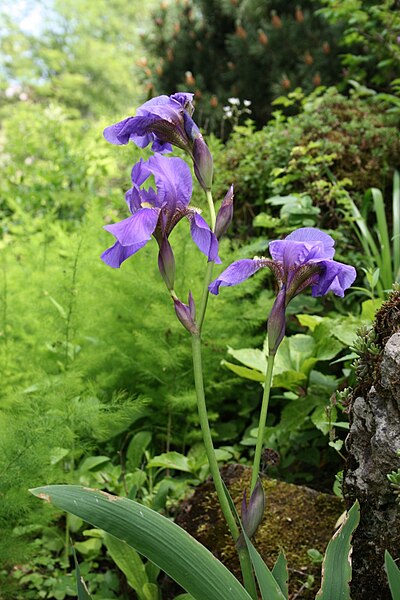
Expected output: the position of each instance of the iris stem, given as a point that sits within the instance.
(211, 208)
(204, 298)
(243, 553)
(262, 422)
(245, 563)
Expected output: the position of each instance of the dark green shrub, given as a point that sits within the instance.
(370, 39)
(333, 146)
(253, 50)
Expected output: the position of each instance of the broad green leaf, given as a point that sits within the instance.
(393, 575)
(289, 380)
(294, 414)
(244, 371)
(160, 540)
(95, 533)
(292, 353)
(346, 331)
(250, 357)
(320, 418)
(265, 220)
(129, 561)
(81, 589)
(336, 567)
(327, 346)
(281, 574)
(172, 460)
(90, 546)
(183, 597)
(136, 449)
(150, 591)
(310, 321)
(92, 463)
(369, 308)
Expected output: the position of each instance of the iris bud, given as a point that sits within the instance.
(253, 513)
(276, 321)
(203, 163)
(225, 214)
(166, 263)
(186, 314)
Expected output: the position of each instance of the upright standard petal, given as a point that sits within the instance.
(185, 99)
(236, 273)
(173, 180)
(203, 237)
(336, 277)
(136, 229)
(312, 234)
(292, 253)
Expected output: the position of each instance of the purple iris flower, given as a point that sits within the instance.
(304, 258)
(166, 121)
(156, 212)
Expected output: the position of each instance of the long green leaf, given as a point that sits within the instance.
(368, 242)
(281, 573)
(396, 225)
(393, 574)
(383, 233)
(336, 567)
(269, 587)
(82, 591)
(170, 547)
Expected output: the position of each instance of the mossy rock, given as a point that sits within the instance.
(297, 519)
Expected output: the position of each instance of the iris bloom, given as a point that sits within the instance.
(304, 258)
(166, 121)
(156, 212)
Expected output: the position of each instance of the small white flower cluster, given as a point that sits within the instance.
(15, 89)
(234, 110)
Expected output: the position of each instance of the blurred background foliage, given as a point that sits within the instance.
(302, 109)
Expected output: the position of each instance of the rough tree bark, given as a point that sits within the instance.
(373, 444)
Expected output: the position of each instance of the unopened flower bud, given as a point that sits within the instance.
(253, 513)
(186, 314)
(203, 163)
(166, 263)
(202, 159)
(225, 214)
(276, 321)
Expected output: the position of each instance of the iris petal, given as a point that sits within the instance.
(173, 180)
(136, 229)
(114, 256)
(203, 237)
(310, 235)
(120, 132)
(336, 277)
(292, 253)
(236, 273)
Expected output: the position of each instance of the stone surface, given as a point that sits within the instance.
(297, 519)
(372, 444)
